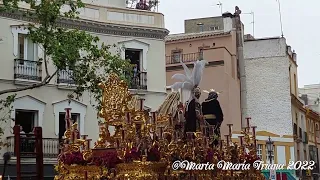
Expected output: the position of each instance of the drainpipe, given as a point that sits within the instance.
(240, 56)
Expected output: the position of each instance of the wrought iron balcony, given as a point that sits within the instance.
(190, 57)
(28, 70)
(65, 77)
(139, 81)
(50, 146)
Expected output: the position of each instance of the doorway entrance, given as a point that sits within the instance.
(62, 123)
(26, 119)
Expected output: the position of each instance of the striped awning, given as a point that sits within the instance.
(289, 175)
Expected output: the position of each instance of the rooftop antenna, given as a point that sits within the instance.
(220, 6)
(252, 22)
(280, 17)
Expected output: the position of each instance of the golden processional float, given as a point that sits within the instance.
(144, 145)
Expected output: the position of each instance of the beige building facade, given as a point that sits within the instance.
(219, 48)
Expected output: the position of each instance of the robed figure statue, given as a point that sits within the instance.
(189, 82)
(193, 114)
(213, 114)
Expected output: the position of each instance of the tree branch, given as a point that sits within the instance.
(45, 64)
(45, 81)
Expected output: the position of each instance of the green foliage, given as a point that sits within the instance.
(62, 46)
(5, 109)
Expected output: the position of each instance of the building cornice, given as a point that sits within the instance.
(295, 101)
(99, 27)
(312, 115)
(192, 36)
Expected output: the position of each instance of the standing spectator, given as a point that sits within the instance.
(135, 76)
(22, 133)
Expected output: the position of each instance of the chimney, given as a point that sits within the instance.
(248, 37)
(294, 56)
(304, 97)
(200, 27)
(227, 21)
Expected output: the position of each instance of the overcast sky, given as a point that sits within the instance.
(301, 25)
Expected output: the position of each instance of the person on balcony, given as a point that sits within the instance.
(32, 141)
(142, 5)
(136, 76)
(23, 140)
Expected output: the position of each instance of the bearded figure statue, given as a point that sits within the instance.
(213, 114)
(189, 82)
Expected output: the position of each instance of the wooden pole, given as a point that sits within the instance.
(17, 150)
(39, 152)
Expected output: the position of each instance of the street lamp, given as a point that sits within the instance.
(269, 144)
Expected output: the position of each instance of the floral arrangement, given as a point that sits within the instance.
(132, 155)
(70, 158)
(154, 154)
(108, 159)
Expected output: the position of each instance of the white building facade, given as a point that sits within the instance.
(271, 93)
(135, 31)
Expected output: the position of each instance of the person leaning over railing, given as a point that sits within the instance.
(31, 141)
(23, 140)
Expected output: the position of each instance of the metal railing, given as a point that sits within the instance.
(27, 69)
(50, 146)
(139, 81)
(190, 57)
(65, 76)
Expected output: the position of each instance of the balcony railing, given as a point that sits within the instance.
(139, 81)
(65, 77)
(28, 70)
(50, 146)
(190, 57)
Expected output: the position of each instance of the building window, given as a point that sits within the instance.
(176, 56)
(21, 38)
(26, 48)
(214, 28)
(139, 74)
(75, 117)
(201, 54)
(259, 151)
(27, 119)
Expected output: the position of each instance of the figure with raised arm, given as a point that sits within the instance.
(189, 82)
